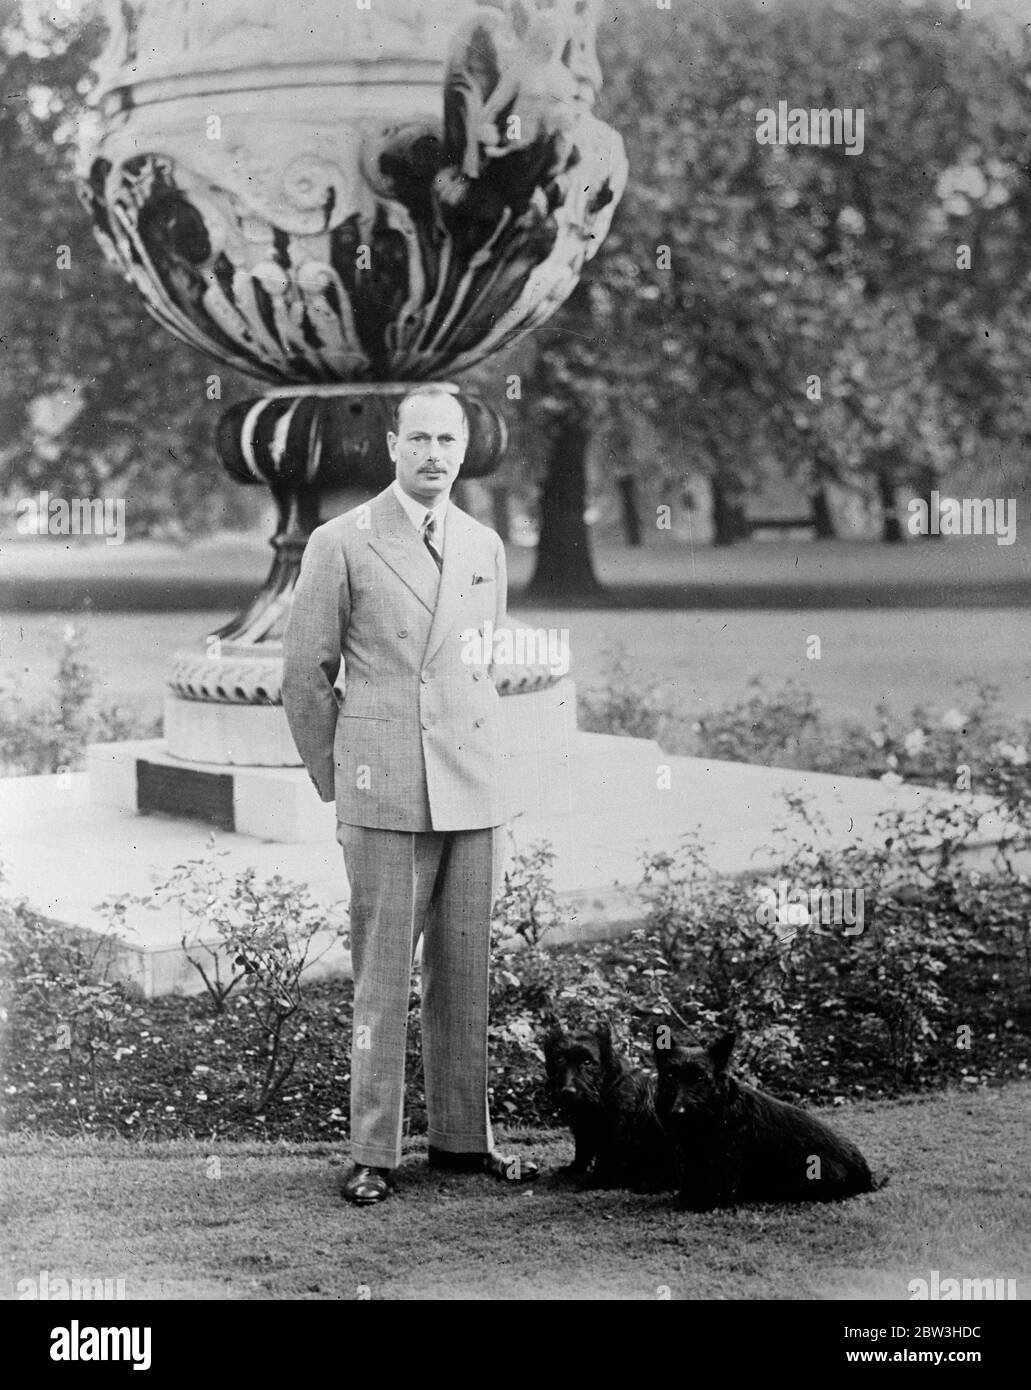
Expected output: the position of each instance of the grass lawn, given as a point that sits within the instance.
(272, 1225)
(900, 623)
(700, 660)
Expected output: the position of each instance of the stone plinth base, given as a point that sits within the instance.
(268, 803)
(66, 850)
(243, 773)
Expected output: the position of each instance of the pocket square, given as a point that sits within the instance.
(482, 579)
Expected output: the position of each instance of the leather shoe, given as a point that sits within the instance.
(364, 1185)
(506, 1167)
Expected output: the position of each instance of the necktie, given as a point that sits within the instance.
(429, 533)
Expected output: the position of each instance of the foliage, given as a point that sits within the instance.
(620, 705)
(784, 262)
(926, 984)
(51, 735)
(935, 988)
(765, 724)
(95, 398)
(57, 982)
(938, 957)
(265, 932)
(976, 747)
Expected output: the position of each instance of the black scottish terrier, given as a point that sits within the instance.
(611, 1111)
(734, 1144)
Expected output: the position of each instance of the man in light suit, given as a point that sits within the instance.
(414, 761)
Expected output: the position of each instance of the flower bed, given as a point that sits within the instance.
(934, 988)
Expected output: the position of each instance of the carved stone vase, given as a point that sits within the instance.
(340, 200)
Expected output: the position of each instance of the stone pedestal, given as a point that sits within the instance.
(203, 732)
(242, 772)
(268, 803)
(70, 843)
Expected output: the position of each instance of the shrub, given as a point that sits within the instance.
(526, 908)
(976, 748)
(56, 983)
(724, 969)
(621, 705)
(925, 985)
(51, 735)
(266, 934)
(767, 725)
(935, 987)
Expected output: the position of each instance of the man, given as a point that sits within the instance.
(413, 759)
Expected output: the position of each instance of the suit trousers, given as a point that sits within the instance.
(439, 885)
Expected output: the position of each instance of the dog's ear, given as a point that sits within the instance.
(719, 1053)
(552, 1026)
(554, 1036)
(603, 1033)
(663, 1043)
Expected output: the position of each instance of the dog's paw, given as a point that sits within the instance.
(649, 1187)
(572, 1172)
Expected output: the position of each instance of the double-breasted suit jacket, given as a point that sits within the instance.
(415, 744)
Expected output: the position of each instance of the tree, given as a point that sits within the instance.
(94, 396)
(768, 309)
(798, 305)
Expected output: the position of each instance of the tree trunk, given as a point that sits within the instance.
(823, 518)
(729, 521)
(564, 569)
(928, 482)
(891, 531)
(631, 514)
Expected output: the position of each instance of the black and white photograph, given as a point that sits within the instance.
(515, 668)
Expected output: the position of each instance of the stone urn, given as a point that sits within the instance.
(340, 199)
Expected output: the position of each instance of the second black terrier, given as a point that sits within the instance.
(735, 1144)
(611, 1111)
